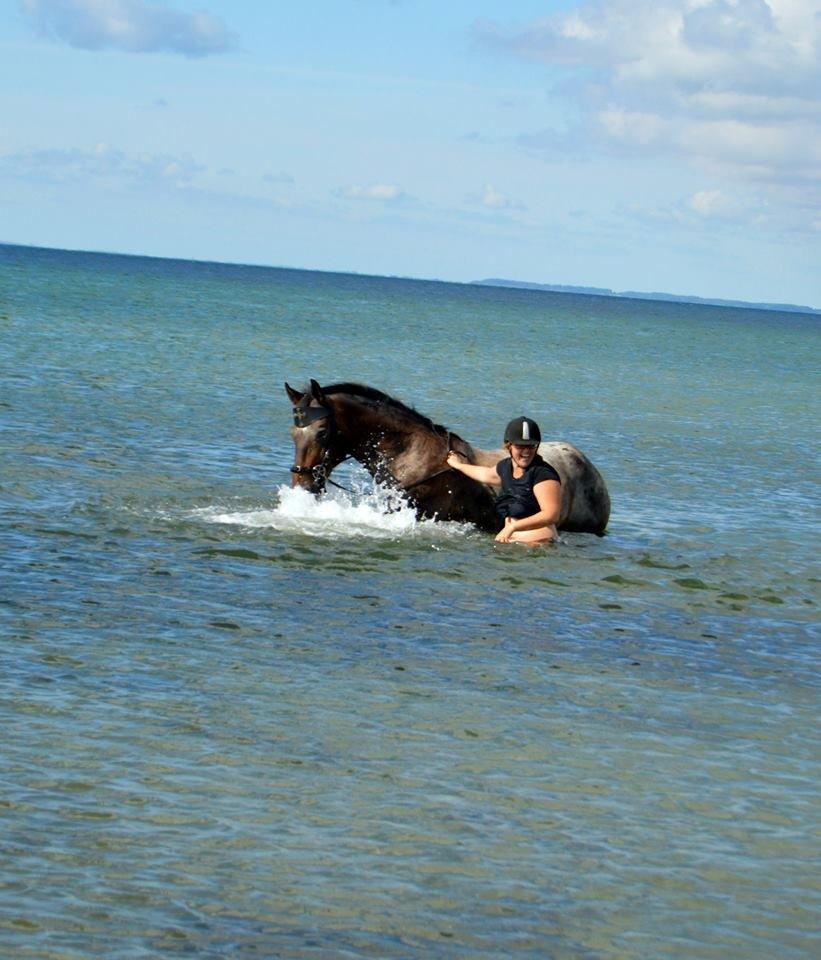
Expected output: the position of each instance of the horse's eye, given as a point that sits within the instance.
(322, 434)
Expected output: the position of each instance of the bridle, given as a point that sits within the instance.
(305, 414)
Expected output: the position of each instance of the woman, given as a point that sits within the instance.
(531, 494)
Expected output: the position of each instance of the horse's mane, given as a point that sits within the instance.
(377, 396)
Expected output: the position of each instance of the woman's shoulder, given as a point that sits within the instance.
(543, 471)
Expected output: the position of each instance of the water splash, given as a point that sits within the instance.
(370, 513)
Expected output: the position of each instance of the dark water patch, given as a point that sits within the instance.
(237, 553)
(691, 583)
(65, 532)
(621, 580)
(61, 659)
(770, 598)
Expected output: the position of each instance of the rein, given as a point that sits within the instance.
(439, 473)
(319, 471)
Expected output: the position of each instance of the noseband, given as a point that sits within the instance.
(303, 471)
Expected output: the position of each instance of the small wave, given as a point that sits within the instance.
(367, 513)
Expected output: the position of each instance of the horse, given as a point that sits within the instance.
(404, 450)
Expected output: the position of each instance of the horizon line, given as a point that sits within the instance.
(532, 286)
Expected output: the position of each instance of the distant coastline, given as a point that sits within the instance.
(635, 295)
(492, 282)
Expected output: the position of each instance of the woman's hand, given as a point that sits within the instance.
(488, 475)
(506, 533)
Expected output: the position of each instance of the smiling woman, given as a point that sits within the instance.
(531, 498)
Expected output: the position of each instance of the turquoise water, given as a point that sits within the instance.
(239, 723)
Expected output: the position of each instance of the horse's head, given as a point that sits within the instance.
(316, 444)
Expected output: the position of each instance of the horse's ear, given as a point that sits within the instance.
(295, 395)
(317, 393)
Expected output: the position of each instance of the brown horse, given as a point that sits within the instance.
(404, 450)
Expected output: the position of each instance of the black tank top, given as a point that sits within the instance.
(517, 498)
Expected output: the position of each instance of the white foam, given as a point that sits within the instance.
(371, 512)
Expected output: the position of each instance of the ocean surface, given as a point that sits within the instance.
(241, 723)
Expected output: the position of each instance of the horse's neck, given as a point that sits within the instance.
(475, 455)
(488, 458)
(375, 436)
(367, 429)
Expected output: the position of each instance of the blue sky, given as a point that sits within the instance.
(655, 145)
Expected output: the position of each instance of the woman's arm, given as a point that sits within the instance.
(548, 494)
(474, 471)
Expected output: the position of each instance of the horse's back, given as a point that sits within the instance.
(585, 500)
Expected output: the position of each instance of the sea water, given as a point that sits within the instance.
(240, 722)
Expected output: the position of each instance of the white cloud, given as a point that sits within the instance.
(493, 199)
(136, 26)
(731, 85)
(708, 203)
(385, 192)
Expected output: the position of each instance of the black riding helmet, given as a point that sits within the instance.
(523, 431)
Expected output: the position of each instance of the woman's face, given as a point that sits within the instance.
(522, 454)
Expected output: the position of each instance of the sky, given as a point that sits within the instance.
(645, 145)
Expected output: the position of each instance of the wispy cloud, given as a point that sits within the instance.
(278, 178)
(383, 192)
(733, 86)
(729, 212)
(103, 163)
(135, 26)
